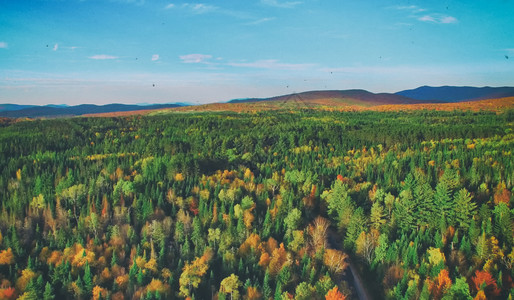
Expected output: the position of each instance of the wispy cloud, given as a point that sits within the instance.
(169, 6)
(56, 46)
(416, 13)
(410, 8)
(103, 57)
(155, 57)
(438, 18)
(259, 21)
(3, 45)
(276, 3)
(199, 8)
(272, 64)
(195, 58)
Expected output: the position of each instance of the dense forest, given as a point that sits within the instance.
(258, 205)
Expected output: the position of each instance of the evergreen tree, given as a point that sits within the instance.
(463, 209)
(88, 279)
(48, 293)
(266, 289)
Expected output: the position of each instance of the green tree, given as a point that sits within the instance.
(458, 291)
(340, 205)
(292, 221)
(377, 215)
(88, 279)
(404, 211)
(463, 209)
(48, 293)
(503, 223)
(355, 227)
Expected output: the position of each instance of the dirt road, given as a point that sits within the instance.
(335, 242)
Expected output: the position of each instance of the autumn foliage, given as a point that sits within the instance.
(6, 257)
(335, 294)
(335, 260)
(484, 281)
(441, 284)
(269, 204)
(7, 293)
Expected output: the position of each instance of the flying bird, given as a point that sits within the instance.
(506, 57)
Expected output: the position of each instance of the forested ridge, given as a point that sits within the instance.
(240, 205)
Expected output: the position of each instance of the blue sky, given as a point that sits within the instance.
(144, 51)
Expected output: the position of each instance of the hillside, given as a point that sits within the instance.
(297, 102)
(457, 93)
(336, 98)
(498, 105)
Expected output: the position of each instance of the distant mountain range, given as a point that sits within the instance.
(338, 98)
(32, 111)
(457, 93)
(9, 107)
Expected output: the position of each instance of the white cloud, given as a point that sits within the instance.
(169, 6)
(195, 58)
(199, 8)
(3, 45)
(426, 18)
(275, 3)
(437, 18)
(155, 57)
(416, 11)
(56, 46)
(263, 20)
(103, 57)
(448, 20)
(272, 64)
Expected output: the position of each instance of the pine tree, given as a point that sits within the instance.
(404, 210)
(355, 227)
(465, 246)
(48, 294)
(114, 260)
(463, 209)
(444, 203)
(88, 279)
(266, 230)
(266, 286)
(425, 203)
(503, 225)
(278, 291)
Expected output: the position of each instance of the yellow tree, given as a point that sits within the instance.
(6, 257)
(192, 273)
(230, 285)
(335, 260)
